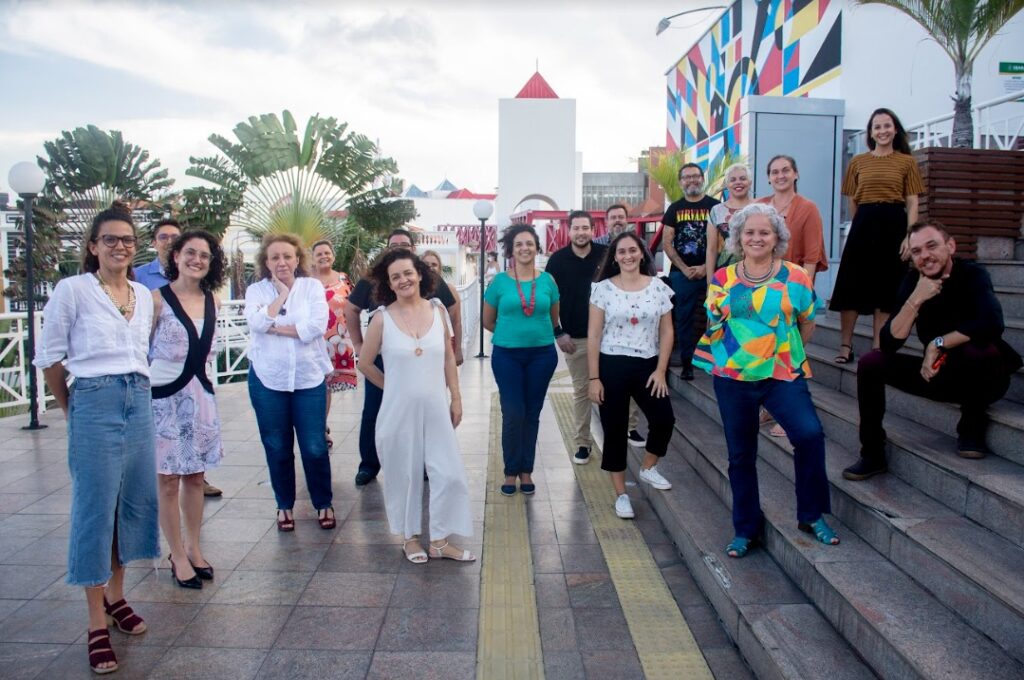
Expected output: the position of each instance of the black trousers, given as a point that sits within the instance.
(625, 378)
(973, 376)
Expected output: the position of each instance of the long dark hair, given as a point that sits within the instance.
(792, 164)
(382, 292)
(609, 267)
(119, 211)
(899, 142)
(214, 278)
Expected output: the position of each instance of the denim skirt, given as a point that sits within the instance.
(112, 459)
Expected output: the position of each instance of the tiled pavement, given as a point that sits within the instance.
(323, 604)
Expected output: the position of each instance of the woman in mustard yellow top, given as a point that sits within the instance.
(882, 186)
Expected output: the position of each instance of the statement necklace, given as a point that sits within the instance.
(125, 310)
(409, 331)
(527, 309)
(757, 279)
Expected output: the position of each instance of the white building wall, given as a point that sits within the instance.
(536, 154)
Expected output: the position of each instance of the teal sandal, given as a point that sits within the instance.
(740, 546)
(821, 530)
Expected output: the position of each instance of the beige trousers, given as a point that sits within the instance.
(579, 372)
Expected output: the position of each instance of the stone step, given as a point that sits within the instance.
(897, 626)
(1011, 298)
(780, 634)
(826, 334)
(1005, 272)
(968, 568)
(1006, 428)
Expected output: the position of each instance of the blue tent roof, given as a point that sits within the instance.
(446, 185)
(415, 192)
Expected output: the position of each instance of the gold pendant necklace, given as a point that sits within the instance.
(125, 310)
(408, 331)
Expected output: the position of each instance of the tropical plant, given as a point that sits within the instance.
(318, 186)
(664, 169)
(961, 28)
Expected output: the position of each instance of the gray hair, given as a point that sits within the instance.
(739, 220)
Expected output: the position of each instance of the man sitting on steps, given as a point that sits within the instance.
(966, 361)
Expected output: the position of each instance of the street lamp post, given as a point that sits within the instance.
(667, 21)
(27, 180)
(482, 210)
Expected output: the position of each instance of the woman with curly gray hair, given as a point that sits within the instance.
(760, 313)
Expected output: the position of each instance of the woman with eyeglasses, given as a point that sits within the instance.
(286, 310)
(100, 322)
(184, 409)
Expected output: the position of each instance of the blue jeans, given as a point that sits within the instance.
(522, 374)
(739, 403)
(112, 460)
(372, 398)
(282, 417)
(689, 300)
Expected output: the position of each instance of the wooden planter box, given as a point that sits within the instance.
(974, 192)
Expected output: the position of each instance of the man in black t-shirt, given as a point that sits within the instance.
(960, 323)
(685, 243)
(359, 299)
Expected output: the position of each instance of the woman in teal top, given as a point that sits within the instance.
(521, 309)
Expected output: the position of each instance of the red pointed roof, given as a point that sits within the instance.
(536, 88)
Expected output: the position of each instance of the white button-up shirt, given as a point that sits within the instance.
(81, 323)
(282, 363)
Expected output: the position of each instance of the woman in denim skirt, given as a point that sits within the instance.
(100, 322)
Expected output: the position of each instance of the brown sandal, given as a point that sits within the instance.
(100, 651)
(124, 617)
(325, 521)
(286, 524)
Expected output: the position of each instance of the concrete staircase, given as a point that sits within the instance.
(929, 579)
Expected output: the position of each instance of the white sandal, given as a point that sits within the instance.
(418, 557)
(437, 552)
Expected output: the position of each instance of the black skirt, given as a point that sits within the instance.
(871, 271)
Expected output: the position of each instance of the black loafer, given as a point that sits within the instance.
(864, 469)
(364, 477)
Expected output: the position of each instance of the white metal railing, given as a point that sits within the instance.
(998, 124)
(469, 303)
(13, 378)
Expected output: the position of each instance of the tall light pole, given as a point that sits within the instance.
(667, 21)
(27, 180)
(482, 210)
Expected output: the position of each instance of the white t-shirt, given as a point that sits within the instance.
(631, 318)
(81, 323)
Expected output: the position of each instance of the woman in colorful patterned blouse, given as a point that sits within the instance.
(760, 313)
(629, 342)
(882, 185)
(340, 350)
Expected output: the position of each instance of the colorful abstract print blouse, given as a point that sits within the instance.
(753, 331)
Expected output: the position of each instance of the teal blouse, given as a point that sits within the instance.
(513, 328)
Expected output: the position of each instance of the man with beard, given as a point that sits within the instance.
(615, 218)
(685, 243)
(573, 269)
(966, 361)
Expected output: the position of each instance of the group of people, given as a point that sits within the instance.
(142, 420)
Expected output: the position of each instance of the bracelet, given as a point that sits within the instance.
(596, 378)
(558, 331)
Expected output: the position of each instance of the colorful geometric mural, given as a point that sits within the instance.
(785, 48)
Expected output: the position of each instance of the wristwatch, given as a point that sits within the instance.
(939, 342)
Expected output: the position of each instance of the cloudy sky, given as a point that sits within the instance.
(422, 78)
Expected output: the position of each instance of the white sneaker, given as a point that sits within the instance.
(654, 478)
(623, 508)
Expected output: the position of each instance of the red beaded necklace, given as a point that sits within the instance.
(527, 309)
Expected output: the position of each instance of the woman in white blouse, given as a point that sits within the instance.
(629, 341)
(100, 322)
(287, 314)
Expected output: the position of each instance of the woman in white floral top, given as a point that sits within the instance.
(629, 342)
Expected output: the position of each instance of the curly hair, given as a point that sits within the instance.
(382, 292)
(734, 244)
(609, 267)
(214, 278)
(263, 272)
(119, 211)
(508, 238)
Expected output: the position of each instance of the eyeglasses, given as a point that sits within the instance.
(110, 241)
(691, 177)
(192, 252)
(163, 238)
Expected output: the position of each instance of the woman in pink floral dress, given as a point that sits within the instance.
(339, 347)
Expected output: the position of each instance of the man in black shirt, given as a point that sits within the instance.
(359, 299)
(685, 243)
(966, 361)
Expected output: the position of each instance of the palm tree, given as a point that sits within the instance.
(962, 28)
(271, 181)
(664, 169)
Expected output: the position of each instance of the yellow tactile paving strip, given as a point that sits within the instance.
(508, 645)
(663, 641)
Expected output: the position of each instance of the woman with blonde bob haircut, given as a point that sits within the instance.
(286, 310)
(739, 183)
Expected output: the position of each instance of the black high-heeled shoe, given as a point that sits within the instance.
(193, 582)
(205, 573)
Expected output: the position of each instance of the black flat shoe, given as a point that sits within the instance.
(193, 582)
(204, 573)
